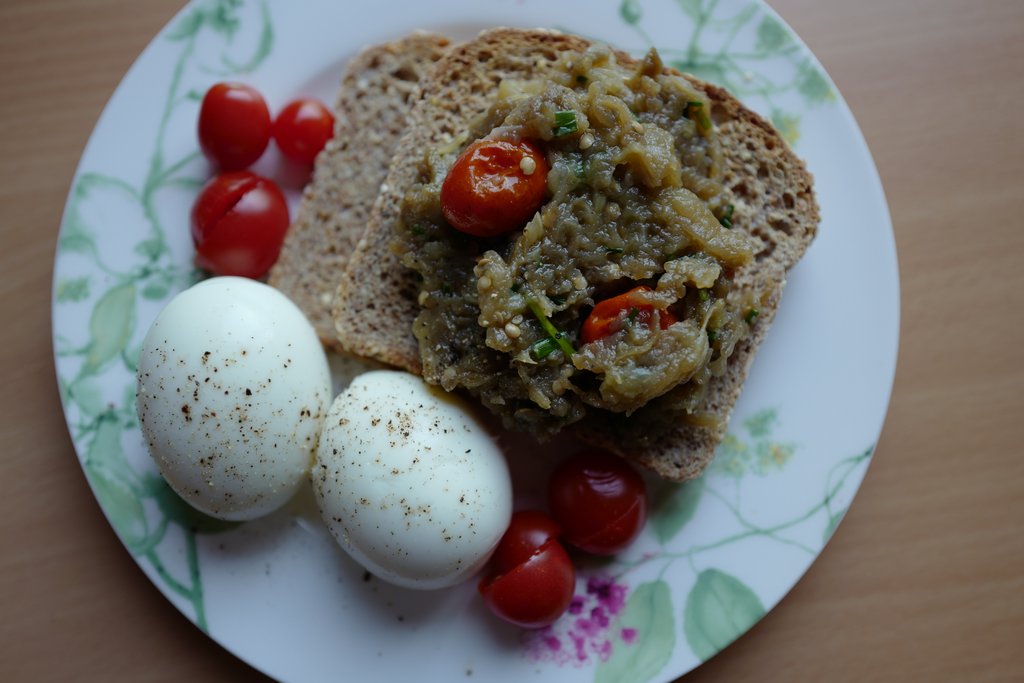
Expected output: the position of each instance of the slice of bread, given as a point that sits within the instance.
(377, 92)
(770, 188)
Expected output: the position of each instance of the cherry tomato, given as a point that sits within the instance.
(530, 587)
(234, 125)
(494, 187)
(611, 315)
(529, 530)
(238, 224)
(302, 129)
(599, 500)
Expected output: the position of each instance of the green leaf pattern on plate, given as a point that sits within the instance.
(752, 449)
(719, 609)
(99, 425)
(630, 11)
(110, 326)
(72, 289)
(649, 620)
(672, 506)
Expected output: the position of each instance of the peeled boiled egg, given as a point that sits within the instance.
(409, 482)
(232, 389)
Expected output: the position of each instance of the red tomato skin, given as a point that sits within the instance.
(487, 193)
(527, 532)
(599, 500)
(234, 125)
(302, 129)
(535, 593)
(238, 224)
(605, 319)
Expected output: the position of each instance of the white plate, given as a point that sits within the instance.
(717, 554)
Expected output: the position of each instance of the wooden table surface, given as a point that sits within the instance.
(924, 579)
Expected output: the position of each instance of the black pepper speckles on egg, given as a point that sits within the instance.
(392, 450)
(253, 311)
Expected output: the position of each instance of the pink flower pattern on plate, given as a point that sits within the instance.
(585, 631)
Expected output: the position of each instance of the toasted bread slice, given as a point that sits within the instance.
(770, 188)
(377, 92)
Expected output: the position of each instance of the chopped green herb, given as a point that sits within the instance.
(542, 348)
(726, 219)
(417, 229)
(565, 123)
(613, 250)
(552, 331)
(703, 294)
(633, 313)
(557, 300)
(751, 315)
(712, 335)
(695, 111)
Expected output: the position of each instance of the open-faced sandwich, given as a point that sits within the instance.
(628, 300)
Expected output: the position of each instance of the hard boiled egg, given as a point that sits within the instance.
(233, 387)
(409, 483)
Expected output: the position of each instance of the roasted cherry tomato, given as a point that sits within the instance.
(530, 586)
(599, 501)
(611, 315)
(302, 129)
(238, 224)
(234, 125)
(494, 187)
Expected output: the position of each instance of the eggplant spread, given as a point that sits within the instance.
(616, 293)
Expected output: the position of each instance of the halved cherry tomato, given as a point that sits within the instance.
(494, 187)
(599, 500)
(302, 129)
(234, 125)
(529, 530)
(611, 315)
(239, 221)
(530, 587)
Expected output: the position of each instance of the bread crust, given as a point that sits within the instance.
(377, 92)
(771, 190)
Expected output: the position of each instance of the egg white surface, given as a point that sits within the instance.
(409, 482)
(232, 389)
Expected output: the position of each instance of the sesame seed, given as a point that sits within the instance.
(484, 282)
(586, 140)
(528, 165)
(512, 330)
(423, 298)
(638, 127)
